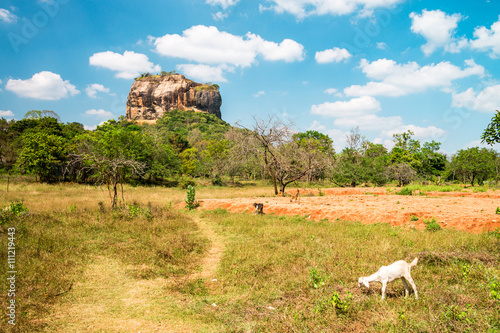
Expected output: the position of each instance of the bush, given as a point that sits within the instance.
(184, 183)
(191, 203)
(217, 181)
(432, 225)
(405, 191)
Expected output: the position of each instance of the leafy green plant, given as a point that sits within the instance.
(404, 191)
(16, 208)
(72, 208)
(191, 202)
(315, 278)
(494, 286)
(414, 218)
(134, 210)
(432, 225)
(341, 306)
(498, 210)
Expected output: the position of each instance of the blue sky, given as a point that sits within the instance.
(329, 65)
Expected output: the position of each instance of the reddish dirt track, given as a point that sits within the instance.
(473, 212)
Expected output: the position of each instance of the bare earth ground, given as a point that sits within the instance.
(474, 212)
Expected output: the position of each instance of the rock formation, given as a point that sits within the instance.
(151, 96)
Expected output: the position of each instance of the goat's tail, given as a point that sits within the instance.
(414, 262)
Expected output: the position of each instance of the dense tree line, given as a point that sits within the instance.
(184, 145)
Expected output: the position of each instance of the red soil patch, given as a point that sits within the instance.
(474, 212)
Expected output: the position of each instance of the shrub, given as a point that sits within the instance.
(413, 218)
(217, 181)
(191, 203)
(315, 279)
(341, 306)
(432, 225)
(184, 183)
(498, 210)
(495, 288)
(404, 191)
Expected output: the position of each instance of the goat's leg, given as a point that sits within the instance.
(410, 280)
(384, 286)
(407, 290)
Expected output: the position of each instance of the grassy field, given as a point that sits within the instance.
(148, 267)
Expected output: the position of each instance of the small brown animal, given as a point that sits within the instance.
(259, 208)
(295, 197)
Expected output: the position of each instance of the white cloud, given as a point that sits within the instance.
(487, 100)
(92, 90)
(208, 45)
(369, 122)
(438, 28)
(332, 55)
(99, 113)
(223, 3)
(331, 91)
(204, 73)
(44, 85)
(128, 65)
(260, 93)
(7, 113)
(90, 128)
(487, 39)
(7, 17)
(430, 132)
(304, 8)
(403, 79)
(381, 45)
(219, 16)
(354, 107)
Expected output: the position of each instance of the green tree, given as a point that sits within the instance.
(491, 134)
(474, 164)
(43, 154)
(190, 161)
(114, 154)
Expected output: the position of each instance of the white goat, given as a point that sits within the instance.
(399, 269)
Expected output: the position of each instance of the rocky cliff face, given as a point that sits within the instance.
(150, 97)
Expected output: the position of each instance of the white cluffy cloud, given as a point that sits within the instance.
(7, 113)
(304, 8)
(420, 132)
(44, 85)
(354, 107)
(127, 65)
(487, 100)
(204, 73)
(7, 17)
(331, 91)
(208, 45)
(99, 113)
(218, 52)
(487, 39)
(438, 28)
(393, 79)
(332, 55)
(92, 90)
(219, 16)
(357, 112)
(223, 3)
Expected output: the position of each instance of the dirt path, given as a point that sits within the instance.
(107, 299)
(214, 256)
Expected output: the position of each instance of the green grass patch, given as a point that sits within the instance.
(307, 272)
